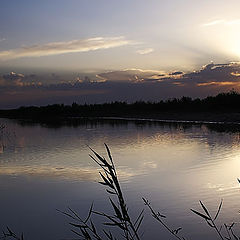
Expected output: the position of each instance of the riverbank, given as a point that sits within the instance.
(191, 117)
(223, 108)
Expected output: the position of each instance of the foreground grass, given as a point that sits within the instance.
(123, 225)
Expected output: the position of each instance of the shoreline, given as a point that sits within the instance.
(168, 117)
(165, 120)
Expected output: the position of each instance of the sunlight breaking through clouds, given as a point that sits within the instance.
(74, 46)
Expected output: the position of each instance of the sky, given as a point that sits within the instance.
(93, 51)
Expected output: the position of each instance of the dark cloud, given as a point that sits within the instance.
(19, 80)
(175, 73)
(13, 79)
(208, 74)
(215, 73)
(127, 85)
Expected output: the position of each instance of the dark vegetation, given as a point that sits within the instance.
(223, 107)
(121, 224)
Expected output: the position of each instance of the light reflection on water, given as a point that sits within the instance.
(173, 165)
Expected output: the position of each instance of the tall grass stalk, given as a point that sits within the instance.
(85, 228)
(159, 218)
(120, 219)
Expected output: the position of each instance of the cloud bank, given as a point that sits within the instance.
(17, 89)
(74, 46)
(18, 80)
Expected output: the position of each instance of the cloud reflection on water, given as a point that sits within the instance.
(67, 173)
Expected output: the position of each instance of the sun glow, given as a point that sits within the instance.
(232, 39)
(224, 37)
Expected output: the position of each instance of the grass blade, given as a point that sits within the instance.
(205, 209)
(201, 215)
(117, 211)
(219, 208)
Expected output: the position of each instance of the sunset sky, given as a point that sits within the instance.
(54, 51)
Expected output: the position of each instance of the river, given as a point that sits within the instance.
(45, 167)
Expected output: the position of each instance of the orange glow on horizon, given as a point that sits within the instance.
(217, 83)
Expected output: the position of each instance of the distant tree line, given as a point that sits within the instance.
(223, 102)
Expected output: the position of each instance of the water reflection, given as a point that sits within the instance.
(174, 165)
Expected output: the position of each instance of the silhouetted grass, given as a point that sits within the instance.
(121, 219)
(9, 234)
(224, 231)
(160, 219)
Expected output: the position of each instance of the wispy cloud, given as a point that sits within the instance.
(222, 22)
(74, 46)
(145, 51)
(215, 22)
(2, 39)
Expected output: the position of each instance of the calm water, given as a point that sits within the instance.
(44, 168)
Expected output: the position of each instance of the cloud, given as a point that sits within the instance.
(175, 73)
(13, 79)
(215, 73)
(216, 83)
(74, 46)
(18, 79)
(216, 22)
(129, 85)
(2, 39)
(132, 75)
(222, 22)
(211, 75)
(139, 75)
(236, 74)
(145, 51)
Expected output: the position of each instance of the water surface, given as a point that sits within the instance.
(47, 167)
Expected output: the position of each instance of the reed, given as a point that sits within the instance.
(121, 219)
(224, 231)
(9, 234)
